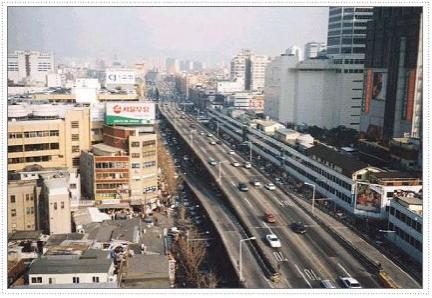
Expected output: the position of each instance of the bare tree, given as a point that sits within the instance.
(190, 253)
(166, 165)
(208, 281)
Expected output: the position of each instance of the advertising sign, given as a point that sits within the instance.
(130, 113)
(120, 77)
(367, 90)
(369, 198)
(379, 86)
(408, 104)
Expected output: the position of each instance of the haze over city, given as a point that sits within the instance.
(208, 34)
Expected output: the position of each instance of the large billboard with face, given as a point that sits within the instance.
(369, 198)
(120, 77)
(130, 113)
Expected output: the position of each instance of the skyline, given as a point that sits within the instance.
(162, 28)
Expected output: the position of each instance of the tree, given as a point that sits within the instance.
(190, 253)
(208, 281)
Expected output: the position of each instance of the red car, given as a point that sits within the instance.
(269, 217)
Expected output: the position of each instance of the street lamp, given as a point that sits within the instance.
(313, 195)
(240, 256)
(250, 149)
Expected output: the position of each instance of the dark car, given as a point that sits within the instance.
(298, 227)
(219, 142)
(243, 186)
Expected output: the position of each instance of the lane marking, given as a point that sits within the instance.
(233, 184)
(278, 256)
(344, 270)
(311, 274)
(301, 273)
(248, 202)
(277, 200)
(265, 225)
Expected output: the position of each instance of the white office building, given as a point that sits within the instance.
(314, 49)
(258, 67)
(405, 224)
(30, 67)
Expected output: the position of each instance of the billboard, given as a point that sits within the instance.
(369, 198)
(130, 113)
(120, 77)
(367, 90)
(379, 85)
(408, 103)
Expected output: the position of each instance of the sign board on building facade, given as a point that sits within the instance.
(120, 77)
(130, 113)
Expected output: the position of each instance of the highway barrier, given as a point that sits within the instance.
(386, 280)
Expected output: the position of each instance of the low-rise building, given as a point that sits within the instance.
(405, 224)
(269, 127)
(47, 271)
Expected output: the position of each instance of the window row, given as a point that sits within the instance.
(34, 134)
(16, 160)
(406, 237)
(112, 165)
(406, 219)
(33, 147)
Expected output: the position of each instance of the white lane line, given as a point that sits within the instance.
(248, 202)
(301, 273)
(276, 199)
(344, 270)
(265, 225)
(278, 256)
(233, 184)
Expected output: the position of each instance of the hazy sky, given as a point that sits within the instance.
(208, 34)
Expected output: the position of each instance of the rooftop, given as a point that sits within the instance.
(348, 164)
(102, 149)
(24, 235)
(396, 175)
(57, 186)
(64, 266)
(147, 267)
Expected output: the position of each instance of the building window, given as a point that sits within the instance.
(36, 280)
(62, 205)
(50, 280)
(135, 144)
(75, 137)
(27, 197)
(135, 166)
(55, 206)
(75, 280)
(75, 149)
(95, 278)
(135, 155)
(13, 212)
(72, 186)
(75, 124)
(75, 161)
(149, 143)
(12, 198)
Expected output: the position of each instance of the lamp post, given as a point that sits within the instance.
(250, 149)
(240, 256)
(313, 195)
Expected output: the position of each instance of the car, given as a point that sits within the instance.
(269, 217)
(219, 142)
(213, 162)
(273, 240)
(256, 183)
(209, 135)
(212, 143)
(327, 284)
(202, 133)
(231, 152)
(235, 164)
(349, 282)
(248, 165)
(243, 186)
(270, 186)
(298, 227)
(192, 125)
(148, 222)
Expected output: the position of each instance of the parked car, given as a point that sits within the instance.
(231, 152)
(269, 217)
(273, 240)
(243, 187)
(248, 165)
(270, 186)
(327, 284)
(298, 227)
(349, 282)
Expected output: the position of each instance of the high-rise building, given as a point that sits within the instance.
(391, 106)
(258, 67)
(296, 51)
(249, 70)
(314, 49)
(30, 67)
(347, 30)
(172, 65)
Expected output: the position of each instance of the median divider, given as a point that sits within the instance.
(386, 280)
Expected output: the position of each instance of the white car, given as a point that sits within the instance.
(273, 240)
(231, 152)
(256, 183)
(350, 283)
(270, 186)
(247, 165)
(235, 164)
(212, 143)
